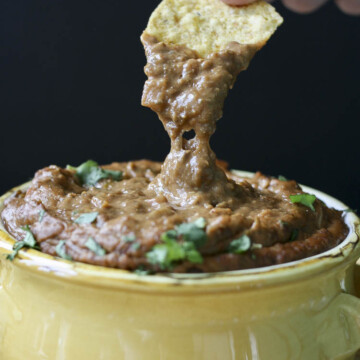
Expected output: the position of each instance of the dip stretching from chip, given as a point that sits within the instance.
(188, 214)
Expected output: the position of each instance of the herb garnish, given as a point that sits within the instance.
(95, 247)
(29, 241)
(240, 245)
(61, 251)
(282, 178)
(129, 238)
(193, 232)
(86, 218)
(191, 235)
(89, 173)
(256, 246)
(135, 246)
(142, 271)
(41, 215)
(294, 235)
(283, 223)
(305, 199)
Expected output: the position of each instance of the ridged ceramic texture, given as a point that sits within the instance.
(57, 310)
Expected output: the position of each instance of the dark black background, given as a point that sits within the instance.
(71, 76)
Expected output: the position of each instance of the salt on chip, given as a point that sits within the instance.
(207, 26)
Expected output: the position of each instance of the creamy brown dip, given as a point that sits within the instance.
(188, 93)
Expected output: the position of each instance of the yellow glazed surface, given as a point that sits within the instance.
(57, 310)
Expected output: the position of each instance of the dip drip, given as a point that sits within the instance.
(188, 93)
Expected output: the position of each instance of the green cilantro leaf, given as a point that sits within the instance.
(169, 235)
(283, 223)
(256, 246)
(29, 241)
(61, 250)
(304, 199)
(16, 248)
(179, 244)
(129, 238)
(41, 215)
(191, 254)
(240, 245)
(194, 257)
(200, 223)
(95, 247)
(135, 246)
(113, 174)
(89, 173)
(282, 178)
(142, 271)
(165, 254)
(86, 218)
(294, 235)
(193, 232)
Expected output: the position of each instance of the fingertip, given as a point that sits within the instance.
(304, 6)
(349, 7)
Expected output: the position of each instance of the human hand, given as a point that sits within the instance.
(351, 7)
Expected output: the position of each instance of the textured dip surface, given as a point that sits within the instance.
(130, 209)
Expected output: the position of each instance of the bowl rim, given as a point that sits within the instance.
(43, 264)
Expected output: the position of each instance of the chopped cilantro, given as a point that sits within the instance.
(41, 215)
(282, 178)
(294, 235)
(179, 244)
(89, 173)
(256, 246)
(16, 248)
(86, 218)
(169, 235)
(193, 232)
(129, 238)
(200, 223)
(29, 238)
(304, 199)
(165, 254)
(283, 223)
(61, 250)
(142, 271)
(240, 245)
(194, 256)
(135, 246)
(95, 247)
(29, 241)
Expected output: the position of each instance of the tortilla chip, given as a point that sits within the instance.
(207, 26)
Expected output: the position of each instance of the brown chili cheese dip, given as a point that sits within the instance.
(188, 214)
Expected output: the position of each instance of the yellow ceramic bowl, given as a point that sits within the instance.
(58, 310)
